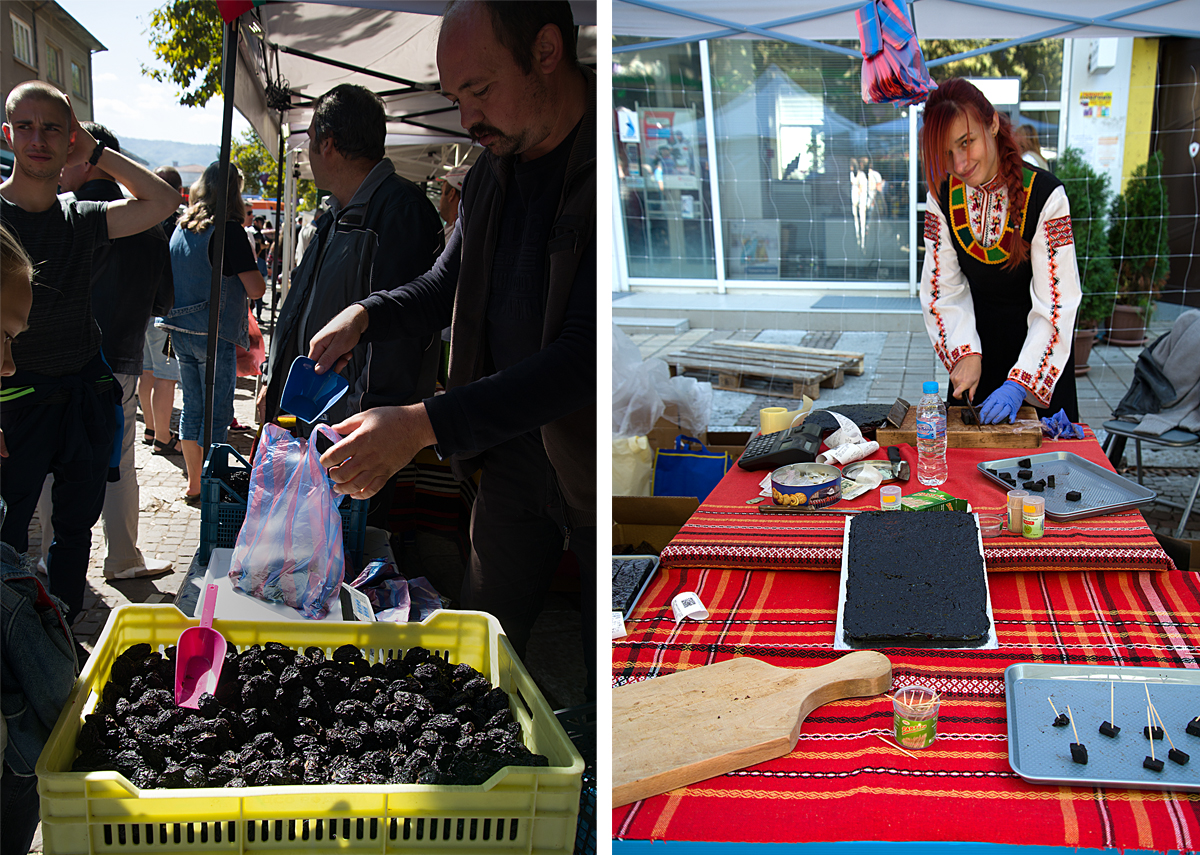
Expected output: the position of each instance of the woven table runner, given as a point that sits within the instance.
(842, 783)
(728, 532)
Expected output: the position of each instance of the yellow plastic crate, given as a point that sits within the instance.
(519, 809)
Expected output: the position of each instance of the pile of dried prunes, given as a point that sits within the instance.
(283, 717)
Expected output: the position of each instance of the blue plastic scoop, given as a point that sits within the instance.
(199, 655)
(307, 394)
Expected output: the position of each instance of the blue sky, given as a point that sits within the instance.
(129, 102)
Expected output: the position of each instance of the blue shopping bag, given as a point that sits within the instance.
(681, 471)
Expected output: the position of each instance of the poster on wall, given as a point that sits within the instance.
(753, 249)
(669, 147)
(1096, 105)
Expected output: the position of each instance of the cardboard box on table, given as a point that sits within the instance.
(650, 519)
(663, 434)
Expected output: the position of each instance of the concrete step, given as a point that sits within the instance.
(634, 325)
(880, 312)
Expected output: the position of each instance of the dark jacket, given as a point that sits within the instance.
(131, 283)
(38, 665)
(387, 234)
(480, 410)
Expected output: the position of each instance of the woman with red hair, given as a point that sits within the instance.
(999, 287)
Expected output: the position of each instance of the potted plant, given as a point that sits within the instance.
(1088, 192)
(1137, 241)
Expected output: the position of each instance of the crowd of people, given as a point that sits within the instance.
(106, 302)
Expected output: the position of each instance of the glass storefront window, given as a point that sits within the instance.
(813, 182)
(662, 162)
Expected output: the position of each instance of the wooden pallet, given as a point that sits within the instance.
(807, 369)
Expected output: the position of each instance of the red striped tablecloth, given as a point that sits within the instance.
(841, 783)
(727, 532)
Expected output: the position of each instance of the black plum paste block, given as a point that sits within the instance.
(1036, 486)
(1193, 726)
(1062, 720)
(1074, 495)
(1109, 729)
(915, 579)
(1027, 485)
(1025, 473)
(1177, 756)
(1079, 752)
(1152, 764)
(1158, 732)
(1025, 462)
(1049, 480)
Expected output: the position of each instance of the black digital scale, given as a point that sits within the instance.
(800, 444)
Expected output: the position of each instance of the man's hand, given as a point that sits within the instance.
(3, 447)
(82, 142)
(964, 377)
(330, 347)
(378, 443)
(260, 406)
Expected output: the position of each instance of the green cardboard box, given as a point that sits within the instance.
(932, 500)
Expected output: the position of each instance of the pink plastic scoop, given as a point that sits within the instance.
(199, 655)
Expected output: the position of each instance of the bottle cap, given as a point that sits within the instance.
(1034, 505)
(929, 387)
(1015, 497)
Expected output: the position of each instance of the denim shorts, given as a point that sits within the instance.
(192, 351)
(164, 368)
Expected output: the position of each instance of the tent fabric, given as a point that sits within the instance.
(935, 19)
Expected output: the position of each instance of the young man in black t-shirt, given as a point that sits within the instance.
(58, 412)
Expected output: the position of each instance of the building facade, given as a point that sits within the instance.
(41, 41)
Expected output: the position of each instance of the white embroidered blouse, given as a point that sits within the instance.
(946, 296)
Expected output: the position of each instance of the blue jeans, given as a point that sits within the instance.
(18, 812)
(192, 352)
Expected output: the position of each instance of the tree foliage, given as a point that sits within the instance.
(1037, 64)
(186, 36)
(1137, 235)
(1088, 192)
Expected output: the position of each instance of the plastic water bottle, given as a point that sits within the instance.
(931, 437)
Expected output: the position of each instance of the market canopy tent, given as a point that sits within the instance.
(805, 21)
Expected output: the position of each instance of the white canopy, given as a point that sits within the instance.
(388, 46)
(691, 20)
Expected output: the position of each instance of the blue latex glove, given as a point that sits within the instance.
(1003, 403)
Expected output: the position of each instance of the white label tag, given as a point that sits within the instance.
(618, 625)
(688, 605)
(360, 605)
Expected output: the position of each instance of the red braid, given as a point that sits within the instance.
(958, 97)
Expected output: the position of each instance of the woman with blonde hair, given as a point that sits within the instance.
(241, 282)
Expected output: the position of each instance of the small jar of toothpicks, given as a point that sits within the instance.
(915, 715)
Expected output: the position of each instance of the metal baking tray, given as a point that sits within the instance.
(1041, 754)
(1102, 491)
(988, 642)
(626, 608)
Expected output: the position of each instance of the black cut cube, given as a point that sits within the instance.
(1152, 764)
(1025, 473)
(1025, 462)
(1079, 753)
(1049, 480)
(1158, 732)
(1109, 729)
(1177, 756)
(1062, 720)
(1193, 726)
(1074, 495)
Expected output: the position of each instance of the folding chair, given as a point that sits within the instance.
(1118, 432)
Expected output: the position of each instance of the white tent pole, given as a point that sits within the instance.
(912, 201)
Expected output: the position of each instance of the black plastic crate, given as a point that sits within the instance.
(223, 506)
(580, 724)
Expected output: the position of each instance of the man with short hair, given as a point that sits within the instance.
(379, 228)
(517, 283)
(58, 412)
(131, 283)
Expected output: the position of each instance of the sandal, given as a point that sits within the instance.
(171, 447)
(148, 437)
(190, 500)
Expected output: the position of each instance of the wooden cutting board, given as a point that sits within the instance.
(1026, 432)
(692, 725)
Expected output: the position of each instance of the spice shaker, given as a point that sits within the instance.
(1033, 517)
(1015, 509)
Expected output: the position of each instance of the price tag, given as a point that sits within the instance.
(618, 625)
(360, 605)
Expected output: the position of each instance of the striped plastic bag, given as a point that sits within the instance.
(289, 549)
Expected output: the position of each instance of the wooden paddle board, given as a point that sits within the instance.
(1025, 432)
(689, 726)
